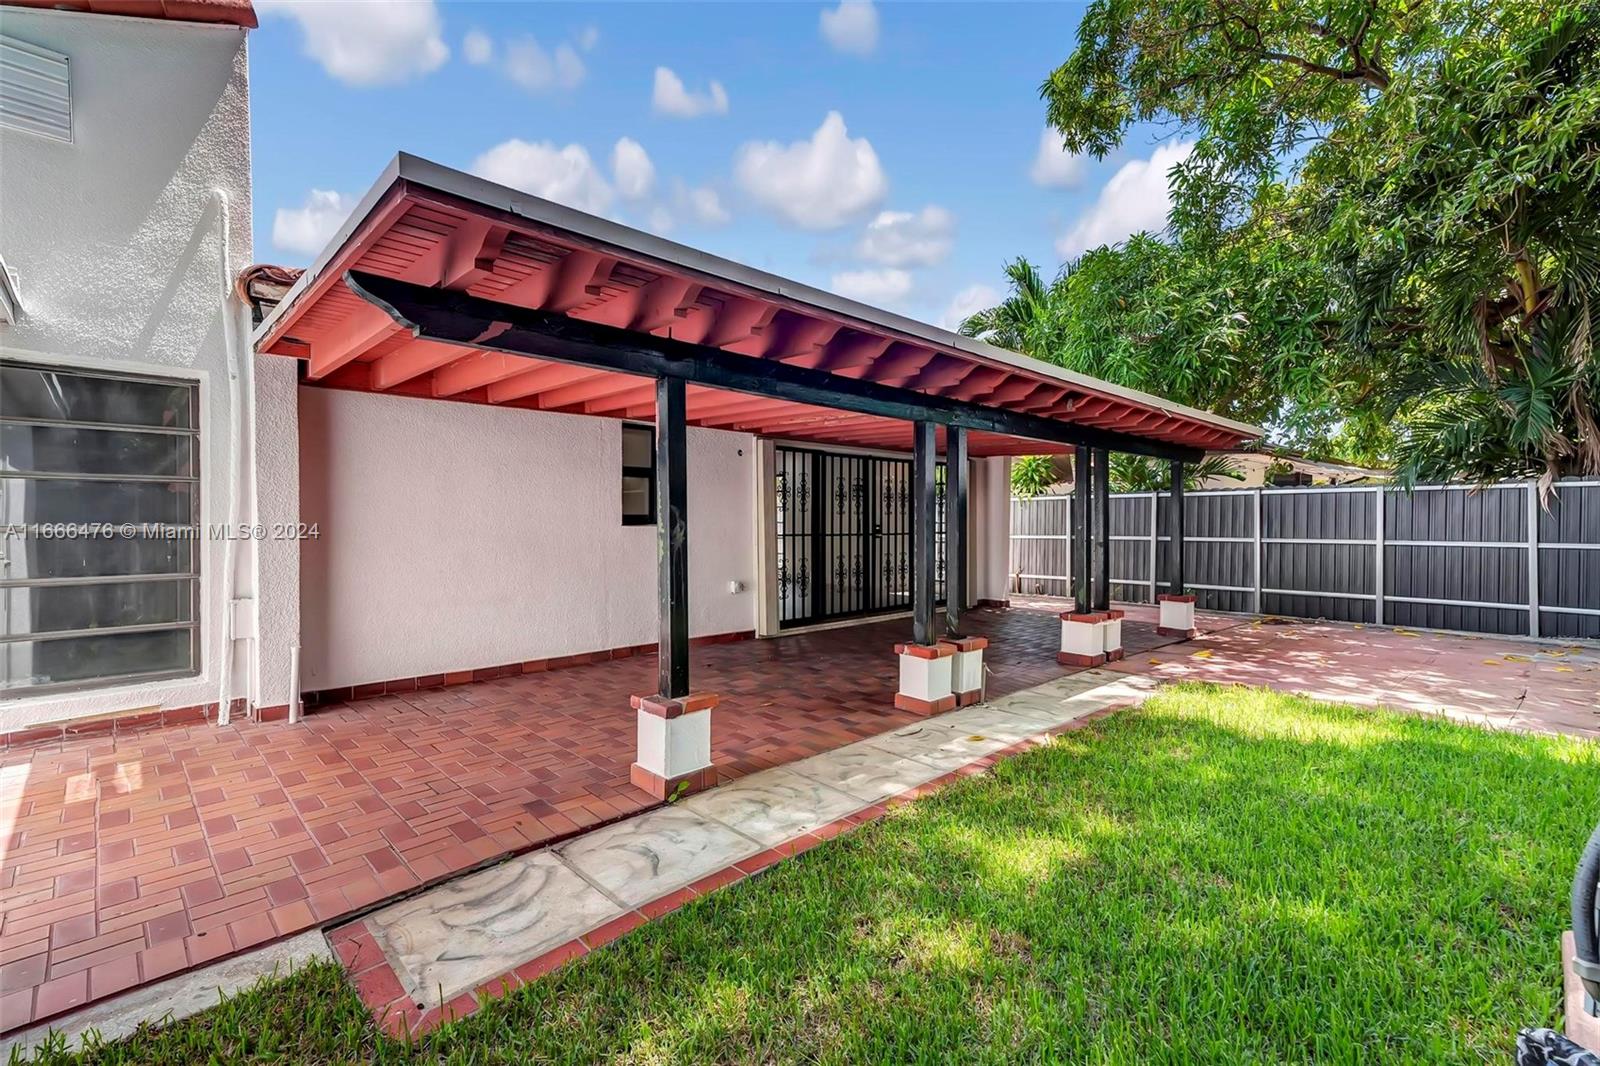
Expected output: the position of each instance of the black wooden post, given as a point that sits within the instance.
(1175, 527)
(1080, 529)
(955, 527)
(672, 537)
(924, 461)
(1102, 530)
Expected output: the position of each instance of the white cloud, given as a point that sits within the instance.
(660, 220)
(851, 27)
(565, 175)
(588, 37)
(1136, 198)
(906, 239)
(307, 229)
(966, 303)
(632, 170)
(821, 183)
(873, 286)
(367, 42)
(671, 97)
(478, 48)
(1054, 166)
(704, 205)
(536, 70)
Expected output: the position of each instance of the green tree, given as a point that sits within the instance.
(1433, 165)
(1240, 327)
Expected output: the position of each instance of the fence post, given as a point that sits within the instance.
(1155, 544)
(1377, 557)
(1255, 560)
(1533, 558)
(1072, 558)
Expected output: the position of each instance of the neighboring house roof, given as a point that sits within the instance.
(263, 285)
(241, 13)
(428, 225)
(1330, 467)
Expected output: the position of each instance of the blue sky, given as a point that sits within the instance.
(891, 152)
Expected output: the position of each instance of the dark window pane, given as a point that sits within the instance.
(636, 497)
(73, 396)
(71, 450)
(61, 608)
(37, 557)
(27, 501)
(638, 446)
(27, 663)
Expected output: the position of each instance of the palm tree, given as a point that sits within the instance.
(1022, 320)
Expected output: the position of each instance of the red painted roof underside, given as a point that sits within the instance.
(228, 12)
(428, 237)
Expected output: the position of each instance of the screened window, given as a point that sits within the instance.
(100, 510)
(638, 475)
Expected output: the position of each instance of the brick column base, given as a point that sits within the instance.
(674, 745)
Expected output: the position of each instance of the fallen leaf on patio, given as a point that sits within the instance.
(1406, 633)
(1514, 658)
(1491, 662)
(1205, 654)
(1153, 662)
(1563, 669)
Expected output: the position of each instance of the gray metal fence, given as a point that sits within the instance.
(1490, 560)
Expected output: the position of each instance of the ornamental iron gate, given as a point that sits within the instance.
(844, 535)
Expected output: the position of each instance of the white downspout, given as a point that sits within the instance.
(225, 659)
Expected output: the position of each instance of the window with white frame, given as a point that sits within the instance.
(100, 515)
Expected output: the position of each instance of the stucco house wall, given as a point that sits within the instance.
(458, 536)
(118, 240)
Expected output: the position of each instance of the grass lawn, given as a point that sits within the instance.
(1224, 874)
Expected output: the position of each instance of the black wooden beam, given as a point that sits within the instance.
(1081, 528)
(451, 317)
(1102, 530)
(1175, 522)
(955, 531)
(924, 513)
(672, 537)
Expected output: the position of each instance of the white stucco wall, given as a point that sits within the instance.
(116, 239)
(989, 512)
(456, 536)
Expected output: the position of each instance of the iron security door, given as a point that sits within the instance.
(844, 535)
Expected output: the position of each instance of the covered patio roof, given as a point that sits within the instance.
(487, 246)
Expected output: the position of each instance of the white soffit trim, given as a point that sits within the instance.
(35, 90)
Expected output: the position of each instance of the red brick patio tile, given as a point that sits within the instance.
(60, 994)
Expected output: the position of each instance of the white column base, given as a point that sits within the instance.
(674, 745)
(1083, 641)
(925, 678)
(1177, 616)
(966, 670)
(1111, 636)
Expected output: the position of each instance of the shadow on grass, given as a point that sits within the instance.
(1225, 874)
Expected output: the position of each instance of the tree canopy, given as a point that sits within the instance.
(1385, 243)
